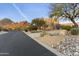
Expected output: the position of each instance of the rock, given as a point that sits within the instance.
(52, 45)
(63, 32)
(77, 47)
(76, 54)
(69, 47)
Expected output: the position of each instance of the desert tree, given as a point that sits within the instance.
(38, 22)
(69, 11)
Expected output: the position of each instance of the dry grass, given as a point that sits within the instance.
(52, 40)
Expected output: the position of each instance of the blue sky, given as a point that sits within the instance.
(22, 12)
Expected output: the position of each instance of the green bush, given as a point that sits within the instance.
(4, 29)
(0, 28)
(66, 27)
(30, 28)
(75, 31)
(17, 28)
(25, 30)
(35, 31)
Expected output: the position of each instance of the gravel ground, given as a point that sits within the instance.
(67, 45)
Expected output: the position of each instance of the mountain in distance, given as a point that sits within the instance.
(5, 21)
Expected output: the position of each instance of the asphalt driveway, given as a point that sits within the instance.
(16, 43)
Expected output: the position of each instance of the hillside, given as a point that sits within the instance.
(5, 21)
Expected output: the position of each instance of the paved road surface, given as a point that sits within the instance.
(16, 43)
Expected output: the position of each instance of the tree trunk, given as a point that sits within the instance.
(75, 24)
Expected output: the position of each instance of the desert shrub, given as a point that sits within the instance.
(53, 34)
(31, 27)
(25, 30)
(0, 28)
(35, 31)
(74, 31)
(17, 28)
(4, 29)
(43, 33)
(66, 27)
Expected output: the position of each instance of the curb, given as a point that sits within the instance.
(2, 32)
(46, 46)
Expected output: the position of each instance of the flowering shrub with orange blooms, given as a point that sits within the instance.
(17, 26)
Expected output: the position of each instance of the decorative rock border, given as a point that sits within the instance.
(69, 47)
